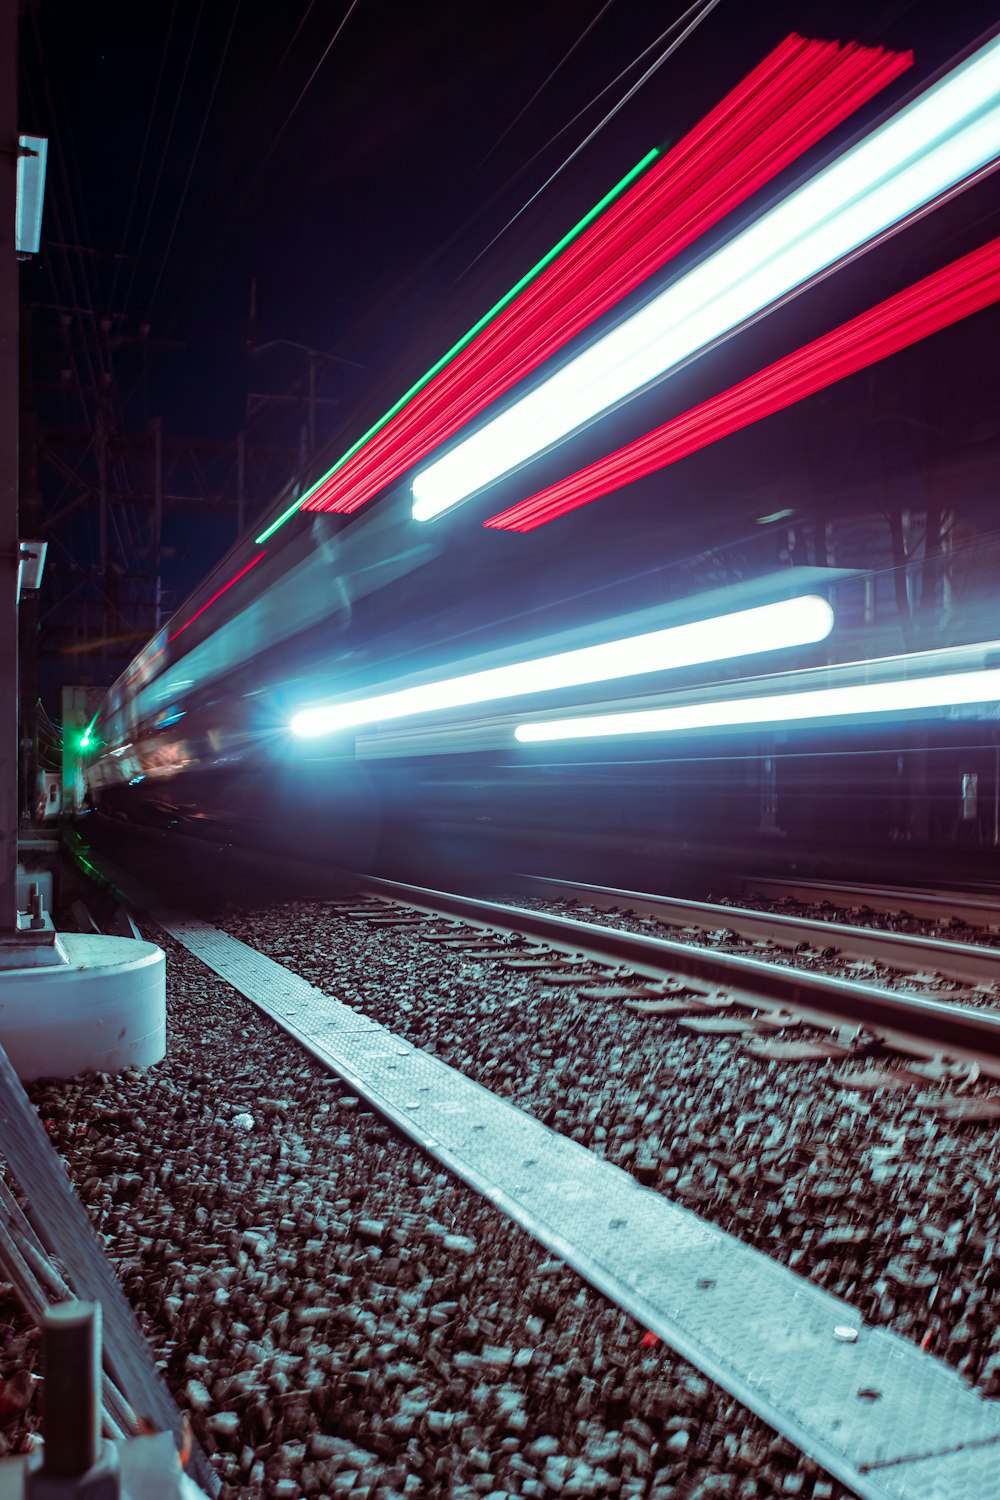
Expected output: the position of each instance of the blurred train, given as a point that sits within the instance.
(198, 734)
(782, 652)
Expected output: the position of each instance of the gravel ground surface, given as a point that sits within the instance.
(867, 1192)
(816, 960)
(339, 1317)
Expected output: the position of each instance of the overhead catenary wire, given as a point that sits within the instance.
(799, 92)
(415, 276)
(295, 35)
(545, 82)
(142, 153)
(703, 11)
(629, 67)
(444, 246)
(258, 170)
(695, 14)
(302, 94)
(163, 155)
(193, 160)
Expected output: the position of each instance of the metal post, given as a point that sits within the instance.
(73, 1463)
(241, 482)
(72, 1339)
(102, 497)
(9, 540)
(312, 404)
(157, 429)
(157, 426)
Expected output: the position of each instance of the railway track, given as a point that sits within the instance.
(973, 908)
(626, 1002)
(764, 996)
(659, 976)
(965, 963)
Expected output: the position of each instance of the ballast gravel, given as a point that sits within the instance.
(867, 1192)
(339, 1317)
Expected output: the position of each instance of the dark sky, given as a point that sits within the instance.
(189, 142)
(359, 211)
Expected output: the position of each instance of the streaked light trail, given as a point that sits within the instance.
(798, 93)
(88, 734)
(958, 290)
(900, 695)
(217, 595)
(768, 627)
(303, 502)
(948, 133)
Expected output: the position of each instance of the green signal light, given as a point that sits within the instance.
(466, 339)
(87, 738)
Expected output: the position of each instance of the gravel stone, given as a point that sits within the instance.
(778, 1153)
(391, 1363)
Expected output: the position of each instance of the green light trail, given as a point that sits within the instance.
(85, 742)
(467, 338)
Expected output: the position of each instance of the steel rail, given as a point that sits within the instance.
(910, 1022)
(977, 911)
(967, 963)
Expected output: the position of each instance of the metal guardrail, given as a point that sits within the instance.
(62, 1223)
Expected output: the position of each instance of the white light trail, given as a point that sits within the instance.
(945, 135)
(896, 696)
(769, 627)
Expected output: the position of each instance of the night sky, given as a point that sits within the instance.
(192, 153)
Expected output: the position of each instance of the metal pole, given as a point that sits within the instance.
(72, 1343)
(102, 496)
(157, 428)
(157, 425)
(312, 404)
(9, 540)
(241, 482)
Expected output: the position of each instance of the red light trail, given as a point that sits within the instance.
(217, 595)
(143, 666)
(958, 290)
(795, 97)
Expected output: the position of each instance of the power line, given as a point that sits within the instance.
(234, 215)
(545, 83)
(707, 7)
(145, 147)
(163, 157)
(609, 86)
(194, 155)
(302, 94)
(446, 244)
(295, 35)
